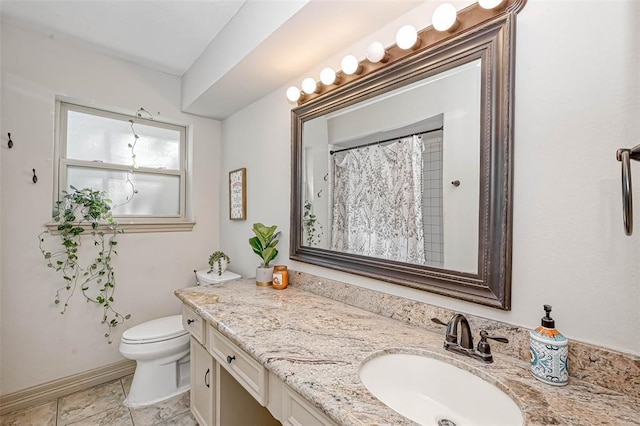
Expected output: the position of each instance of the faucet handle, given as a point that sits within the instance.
(483, 345)
(439, 321)
(484, 336)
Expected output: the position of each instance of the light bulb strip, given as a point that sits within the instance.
(428, 38)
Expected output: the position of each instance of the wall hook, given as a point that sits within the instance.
(34, 178)
(10, 144)
(319, 192)
(326, 177)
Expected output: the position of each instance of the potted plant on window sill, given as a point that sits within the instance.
(218, 262)
(264, 245)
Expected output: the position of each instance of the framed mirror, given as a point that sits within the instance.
(405, 175)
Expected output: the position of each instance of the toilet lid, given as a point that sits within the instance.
(204, 277)
(155, 330)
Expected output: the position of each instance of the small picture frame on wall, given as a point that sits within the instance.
(238, 194)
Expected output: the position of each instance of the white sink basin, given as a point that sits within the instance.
(427, 391)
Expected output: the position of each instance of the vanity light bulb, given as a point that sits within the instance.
(350, 65)
(492, 4)
(293, 94)
(445, 17)
(309, 86)
(377, 53)
(407, 37)
(328, 76)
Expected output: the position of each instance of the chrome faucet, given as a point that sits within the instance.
(459, 339)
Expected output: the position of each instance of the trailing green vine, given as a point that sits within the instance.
(134, 163)
(312, 228)
(96, 279)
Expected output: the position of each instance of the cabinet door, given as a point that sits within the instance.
(297, 412)
(203, 384)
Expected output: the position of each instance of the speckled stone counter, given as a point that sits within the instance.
(316, 345)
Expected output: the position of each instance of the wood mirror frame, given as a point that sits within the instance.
(492, 41)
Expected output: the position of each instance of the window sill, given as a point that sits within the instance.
(136, 227)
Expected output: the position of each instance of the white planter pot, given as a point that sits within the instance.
(264, 276)
(223, 266)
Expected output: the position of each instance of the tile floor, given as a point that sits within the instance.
(102, 406)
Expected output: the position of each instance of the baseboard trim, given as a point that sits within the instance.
(67, 385)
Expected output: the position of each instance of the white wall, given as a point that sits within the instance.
(577, 101)
(38, 344)
(2, 150)
(258, 138)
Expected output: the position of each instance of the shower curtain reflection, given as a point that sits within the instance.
(377, 201)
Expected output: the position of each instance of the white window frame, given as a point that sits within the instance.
(127, 222)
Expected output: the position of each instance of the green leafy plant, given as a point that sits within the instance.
(264, 243)
(216, 259)
(97, 279)
(312, 228)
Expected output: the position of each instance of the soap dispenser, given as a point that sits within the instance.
(549, 352)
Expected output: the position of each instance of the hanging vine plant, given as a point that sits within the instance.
(89, 209)
(96, 278)
(312, 228)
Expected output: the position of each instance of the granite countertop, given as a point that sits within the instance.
(316, 346)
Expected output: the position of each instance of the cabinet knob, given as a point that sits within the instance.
(189, 321)
(230, 358)
(207, 384)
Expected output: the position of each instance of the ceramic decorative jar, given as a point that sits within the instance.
(549, 352)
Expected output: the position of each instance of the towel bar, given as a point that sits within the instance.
(625, 156)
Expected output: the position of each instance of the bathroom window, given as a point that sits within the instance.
(139, 162)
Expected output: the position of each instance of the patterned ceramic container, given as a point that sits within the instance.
(549, 356)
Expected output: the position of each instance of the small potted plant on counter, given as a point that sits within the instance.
(218, 262)
(264, 245)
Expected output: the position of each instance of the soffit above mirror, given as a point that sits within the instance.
(247, 61)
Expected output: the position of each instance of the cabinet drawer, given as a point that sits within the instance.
(246, 370)
(194, 324)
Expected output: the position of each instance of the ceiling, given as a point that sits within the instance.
(229, 53)
(165, 35)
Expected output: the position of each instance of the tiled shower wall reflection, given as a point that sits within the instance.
(432, 198)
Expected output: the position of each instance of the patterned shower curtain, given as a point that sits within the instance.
(377, 201)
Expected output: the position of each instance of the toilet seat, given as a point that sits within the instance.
(158, 330)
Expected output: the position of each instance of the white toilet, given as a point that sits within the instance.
(160, 348)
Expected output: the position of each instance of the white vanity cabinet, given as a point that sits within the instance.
(231, 388)
(203, 384)
(202, 370)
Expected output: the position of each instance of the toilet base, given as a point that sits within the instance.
(180, 391)
(158, 380)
